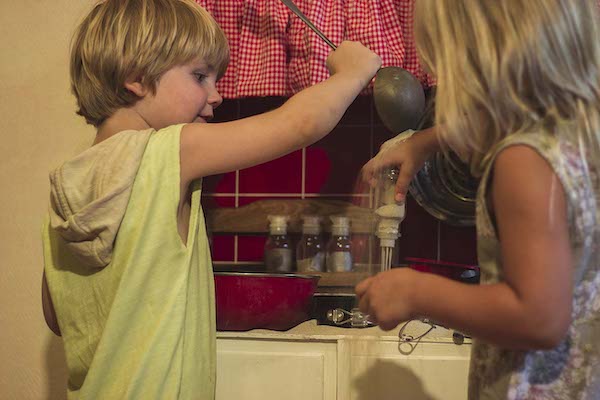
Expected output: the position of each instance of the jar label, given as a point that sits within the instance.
(279, 260)
(312, 264)
(339, 261)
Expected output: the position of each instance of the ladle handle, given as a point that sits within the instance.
(290, 4)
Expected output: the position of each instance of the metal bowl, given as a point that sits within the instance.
(444, 187)
(446, 190)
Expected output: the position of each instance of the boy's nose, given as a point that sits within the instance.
(215, 99)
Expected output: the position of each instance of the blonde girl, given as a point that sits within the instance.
(518, 98)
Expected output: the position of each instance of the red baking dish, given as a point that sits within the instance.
(247, 300)
(460, 272)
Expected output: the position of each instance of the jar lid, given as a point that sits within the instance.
(311, 224)
(340, 225)
(278, 223)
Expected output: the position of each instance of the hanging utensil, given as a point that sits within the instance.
(398, 95)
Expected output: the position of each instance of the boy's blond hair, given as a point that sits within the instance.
(512, 66)
(125, 39)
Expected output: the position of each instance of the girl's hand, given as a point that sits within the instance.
(408, 151)
(387, 297)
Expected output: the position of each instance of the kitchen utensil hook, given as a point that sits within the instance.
(290, 4)
(399, 96)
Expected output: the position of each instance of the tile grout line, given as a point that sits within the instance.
(237, 191)
(303, 172)
(260, 263)
(372, 244)
(237, 204)
(286, 195)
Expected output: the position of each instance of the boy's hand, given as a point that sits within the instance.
(386, 297)
(354, 58)
(407, 151)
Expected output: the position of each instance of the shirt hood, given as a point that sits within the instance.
(90, 193)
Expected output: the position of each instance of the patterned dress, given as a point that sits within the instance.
(572, 369)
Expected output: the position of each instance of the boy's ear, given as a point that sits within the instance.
(135, 86)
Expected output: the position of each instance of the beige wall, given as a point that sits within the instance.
(38, 129)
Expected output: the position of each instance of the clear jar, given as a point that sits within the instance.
(390, 213)
(386, 187)
(278, 249)
(310, 254)
(339, 248)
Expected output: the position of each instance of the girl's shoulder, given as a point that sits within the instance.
(567, 159)
(570, 162)
(543, 143)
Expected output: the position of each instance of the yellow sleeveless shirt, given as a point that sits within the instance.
(142, 327)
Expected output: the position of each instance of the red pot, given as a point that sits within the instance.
(459, 272)
(247, 300)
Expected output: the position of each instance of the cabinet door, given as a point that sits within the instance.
(252, 369)
(431, 371)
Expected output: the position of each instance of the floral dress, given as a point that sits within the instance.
(572, 369)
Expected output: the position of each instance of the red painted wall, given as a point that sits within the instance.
(327, 169)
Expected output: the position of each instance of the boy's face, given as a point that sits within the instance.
(184, 94)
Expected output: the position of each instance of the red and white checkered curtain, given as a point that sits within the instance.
(274, 54)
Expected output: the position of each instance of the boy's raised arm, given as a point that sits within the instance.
(208, 149)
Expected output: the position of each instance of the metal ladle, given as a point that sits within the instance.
(398, 95)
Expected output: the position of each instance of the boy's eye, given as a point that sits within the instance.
(200, 77)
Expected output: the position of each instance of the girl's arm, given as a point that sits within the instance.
(531, 308)
(208, 149)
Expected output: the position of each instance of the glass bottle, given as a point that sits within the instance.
(278, 249)
(339, 256)
(386, 187)
(310, 255)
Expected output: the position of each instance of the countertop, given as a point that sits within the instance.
(309, 330)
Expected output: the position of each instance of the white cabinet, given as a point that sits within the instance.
(432, 371)
(339, 364)
(251, 369)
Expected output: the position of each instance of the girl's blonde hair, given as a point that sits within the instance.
(504, 67)
(124, 39)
